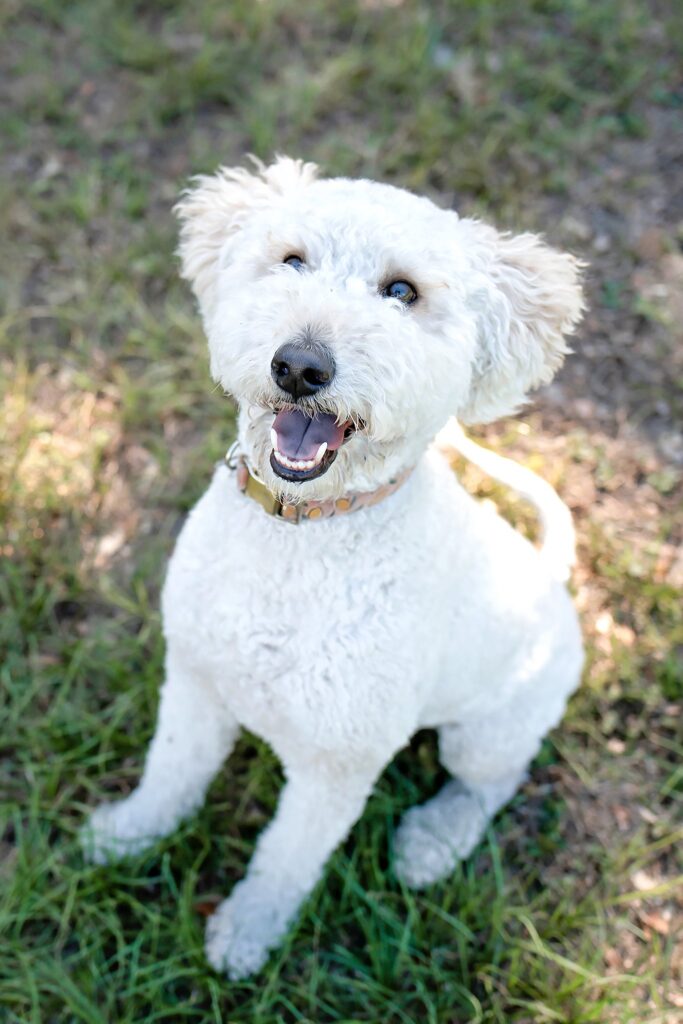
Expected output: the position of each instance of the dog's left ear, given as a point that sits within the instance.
(216, 207)
(527, 298)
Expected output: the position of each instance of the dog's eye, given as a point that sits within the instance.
(401, 290)
(294, 261)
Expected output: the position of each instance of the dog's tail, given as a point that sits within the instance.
(558, 546)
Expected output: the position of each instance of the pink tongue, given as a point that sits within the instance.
(300, 437)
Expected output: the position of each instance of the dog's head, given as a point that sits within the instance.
(350, 319)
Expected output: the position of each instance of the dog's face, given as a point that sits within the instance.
(350, 319)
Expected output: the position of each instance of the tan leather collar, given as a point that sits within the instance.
(254, 488)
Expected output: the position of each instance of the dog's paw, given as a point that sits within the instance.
(420, 857)
(432, 839)
(243, 931)
(111, 833)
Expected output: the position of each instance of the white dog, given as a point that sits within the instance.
(336, 589)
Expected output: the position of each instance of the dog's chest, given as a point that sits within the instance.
(308, 631)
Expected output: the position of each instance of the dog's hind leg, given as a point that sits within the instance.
(194, 735)
(432, 838)
(488, 760)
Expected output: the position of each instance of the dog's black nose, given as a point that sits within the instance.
(302, 368)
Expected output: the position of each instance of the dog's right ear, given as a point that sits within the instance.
(216, 206)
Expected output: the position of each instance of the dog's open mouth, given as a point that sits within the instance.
(304, 447)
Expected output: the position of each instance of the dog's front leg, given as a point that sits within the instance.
(319, 804)
(195, 733)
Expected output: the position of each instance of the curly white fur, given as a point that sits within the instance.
(337, 640)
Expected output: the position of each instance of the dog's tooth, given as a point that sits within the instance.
(273, 438)
(301, 465)
(320, 452)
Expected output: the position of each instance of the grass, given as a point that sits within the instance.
(544, 115)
